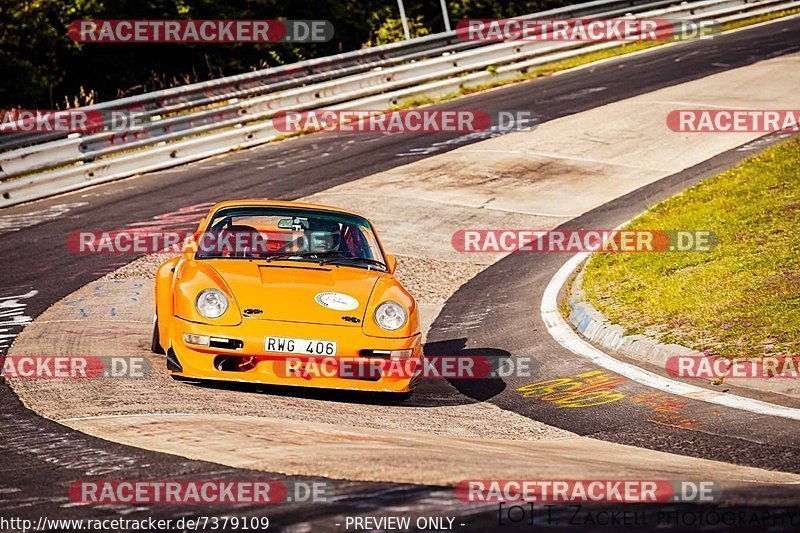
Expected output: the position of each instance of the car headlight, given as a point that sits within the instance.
(390, 316)
(211, 303)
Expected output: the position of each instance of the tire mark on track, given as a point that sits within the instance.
(512, 322)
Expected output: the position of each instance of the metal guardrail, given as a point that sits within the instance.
(236, 111)
(242, 111)
(179, 99)
(101, 157)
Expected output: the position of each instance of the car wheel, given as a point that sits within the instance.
(155, 344)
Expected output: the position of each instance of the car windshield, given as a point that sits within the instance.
(294, 234)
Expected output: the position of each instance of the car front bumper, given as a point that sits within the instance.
(360, 363)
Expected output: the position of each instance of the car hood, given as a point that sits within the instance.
(299, 291)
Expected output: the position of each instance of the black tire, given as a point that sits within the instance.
(155, 344)
(399, 396)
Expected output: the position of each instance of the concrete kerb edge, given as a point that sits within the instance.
(598, 329)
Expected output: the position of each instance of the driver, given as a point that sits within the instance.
(323, 236)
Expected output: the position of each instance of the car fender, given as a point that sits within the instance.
(389, 288)
(165, 275)
(193, 276)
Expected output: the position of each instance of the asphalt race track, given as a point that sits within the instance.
(40, 455)
(507, 309)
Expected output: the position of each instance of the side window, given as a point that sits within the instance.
(371, 248)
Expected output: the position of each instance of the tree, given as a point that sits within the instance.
(42, 68)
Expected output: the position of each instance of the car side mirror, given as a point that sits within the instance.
(391, 262)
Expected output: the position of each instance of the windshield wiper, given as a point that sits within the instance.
(345, 259)
(286, 255)
(289, 255)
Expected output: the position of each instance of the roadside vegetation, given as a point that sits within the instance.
(740, 300)
(43, 69)
(548, 69)
(757, 19)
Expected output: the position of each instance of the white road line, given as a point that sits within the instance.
(561, 331)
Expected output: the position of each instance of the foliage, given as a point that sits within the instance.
(42, 68)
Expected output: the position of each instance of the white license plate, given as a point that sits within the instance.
(299, 346)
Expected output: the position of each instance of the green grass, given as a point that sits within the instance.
(757, 19)
(740, 300)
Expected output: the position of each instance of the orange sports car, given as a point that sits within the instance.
(287, 293)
